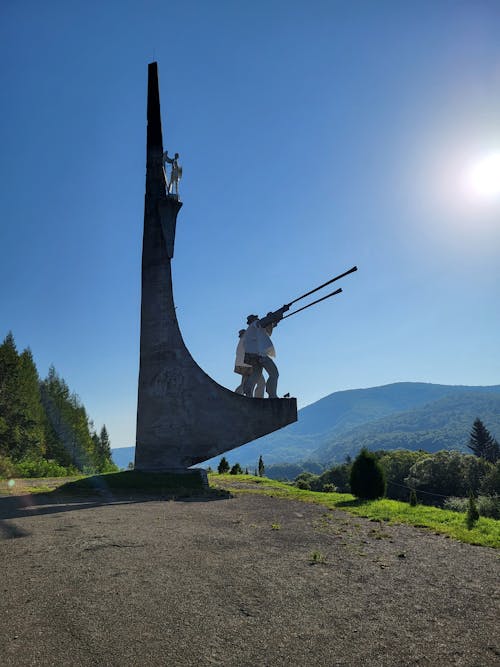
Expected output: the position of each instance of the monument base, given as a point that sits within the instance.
(191, 473)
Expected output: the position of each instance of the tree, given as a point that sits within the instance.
(236, 470)
(367, 478)
(482, 443)
(223, 466)
(262, 468)
(472, 512)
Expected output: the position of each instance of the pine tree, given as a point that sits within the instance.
(262, 468)
(482, 443)
(33, 413)
(223, 466)
(367, 478)
(472, 512)
(102, 451)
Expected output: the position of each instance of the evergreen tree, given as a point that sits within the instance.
(223, 466)
(262, 468)
(102, 450)
(472, 512)
(367, 479)
(236, 470)
(33, 413)
(482, 443)
(10, 399)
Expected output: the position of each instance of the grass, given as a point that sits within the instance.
(486, 532)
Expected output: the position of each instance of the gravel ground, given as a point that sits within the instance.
(249, 580)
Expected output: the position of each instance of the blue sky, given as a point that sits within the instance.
(313, 136)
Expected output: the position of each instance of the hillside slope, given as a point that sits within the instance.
(441, 424)
(317, 432)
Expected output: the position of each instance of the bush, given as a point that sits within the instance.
(329, 488)
(43, 468)
(413, 498)
(489, 506)
(455, 504)
(367, 478)
(7, 468)
(236, 470)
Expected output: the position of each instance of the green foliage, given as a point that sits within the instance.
(396, 465)
(337, 476)
(43, 426)
(367, 478)
(482, 443)
(223, 466)
(447, 474)
(329, 488)
(488, 506)
(413, 498)
(261, 466)
(472, 512)
(7, 467)
(317, 557)
(490, 484)
(236, 470)
(42, 468)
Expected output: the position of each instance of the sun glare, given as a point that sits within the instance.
(482, 177)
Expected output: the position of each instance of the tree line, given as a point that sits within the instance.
(44, 427)
(444, 478)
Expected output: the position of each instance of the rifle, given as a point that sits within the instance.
(277, 315)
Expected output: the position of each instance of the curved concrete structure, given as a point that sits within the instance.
(183, 416)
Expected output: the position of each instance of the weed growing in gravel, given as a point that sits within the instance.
(275, 526)
(317, 557)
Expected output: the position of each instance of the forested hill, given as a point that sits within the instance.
(442, 424)
(44, 427)
(425, 416)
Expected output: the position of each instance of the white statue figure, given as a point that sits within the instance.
(175, 173)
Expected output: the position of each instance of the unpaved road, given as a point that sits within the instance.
(234, 582)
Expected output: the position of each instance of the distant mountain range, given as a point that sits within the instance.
(410, 415)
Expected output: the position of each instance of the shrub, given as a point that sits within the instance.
(236, 470)
(223, 466)
(7, 468)
(413, 498)
(472, 512)
(489, 506)
(455, 504)
(303, 484)
(329, 488)
(367, 478)
(43, 468)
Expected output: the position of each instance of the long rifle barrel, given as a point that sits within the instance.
(316, 289)
(313, 302)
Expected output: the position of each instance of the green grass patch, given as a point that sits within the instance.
(486, 532)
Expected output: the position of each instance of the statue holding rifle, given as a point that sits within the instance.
(175, 173)
(258, 347)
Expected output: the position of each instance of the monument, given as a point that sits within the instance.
(184, 417)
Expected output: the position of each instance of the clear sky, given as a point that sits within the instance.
(313, 136)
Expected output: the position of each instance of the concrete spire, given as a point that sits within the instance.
(183, 416)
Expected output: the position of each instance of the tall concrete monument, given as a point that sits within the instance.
(183, 416)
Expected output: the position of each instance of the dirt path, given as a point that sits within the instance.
(249, 580)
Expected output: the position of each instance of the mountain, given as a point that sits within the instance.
(122, 456)
(442, 424)
(319, 432)
(413, 415)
